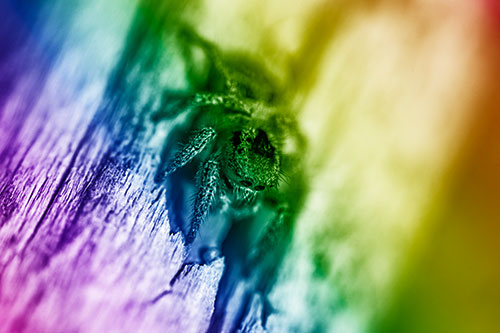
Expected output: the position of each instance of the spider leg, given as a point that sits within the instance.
(212, 53)
(233, 102)
(174, 103)
(229, 101)
(195, 145)
(271, 237)
(209, 177)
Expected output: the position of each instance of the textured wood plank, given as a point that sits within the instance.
(84, 232)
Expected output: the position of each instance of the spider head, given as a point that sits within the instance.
(253, 161)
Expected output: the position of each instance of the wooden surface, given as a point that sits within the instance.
(84, 232)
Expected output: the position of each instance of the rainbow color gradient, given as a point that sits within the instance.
(398, 229)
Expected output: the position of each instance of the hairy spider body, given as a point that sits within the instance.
(246, 143)
(240, 160)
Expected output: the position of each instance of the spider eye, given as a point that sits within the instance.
(236, 138)
(248, 92)
(262, 146)
(246, 183)
(259, 187)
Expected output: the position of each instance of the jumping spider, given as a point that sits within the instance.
(247, 143)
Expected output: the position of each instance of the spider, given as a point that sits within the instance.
(245, 144)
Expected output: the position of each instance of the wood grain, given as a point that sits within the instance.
(84, 230)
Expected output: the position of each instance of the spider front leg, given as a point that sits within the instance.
(195, 145)
(209, 177)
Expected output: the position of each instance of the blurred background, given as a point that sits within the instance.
(399, 103)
